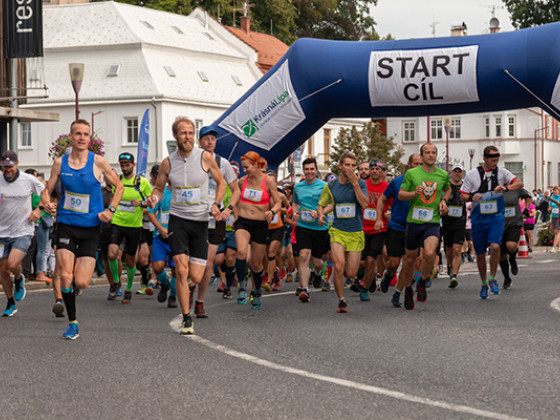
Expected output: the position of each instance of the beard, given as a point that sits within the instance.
(185, 146)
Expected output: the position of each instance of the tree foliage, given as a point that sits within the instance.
(366, 144)
(526, 13)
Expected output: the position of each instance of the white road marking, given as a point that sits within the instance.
(175, 324)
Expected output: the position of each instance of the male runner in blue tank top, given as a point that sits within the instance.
(80, 213)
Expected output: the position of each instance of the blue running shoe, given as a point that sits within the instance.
(484, 292)
(429, 283)
(10, 310)
(364, 296)
(241, 297)
(119, 289)
(71, 332)
(256, 302)
(19, 291)
(494, 288)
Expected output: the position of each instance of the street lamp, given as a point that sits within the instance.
(471, 154)
(535, 155)
(76, 75)
(447, 126)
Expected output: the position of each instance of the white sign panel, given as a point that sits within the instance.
(423, 77)
(269, 113)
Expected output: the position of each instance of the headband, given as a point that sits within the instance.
(491, 155)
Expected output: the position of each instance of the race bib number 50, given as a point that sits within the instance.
(76, 202)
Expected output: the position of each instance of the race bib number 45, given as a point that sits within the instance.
(188, 195)
(76, 202)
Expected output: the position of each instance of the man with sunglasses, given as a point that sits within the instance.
(484, 187)
(127, 224)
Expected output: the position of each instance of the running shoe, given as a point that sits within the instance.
(151, 287)
(408, 299)
(421, 295)
(199, 310)
(513, 265)
(266, 286)
(316, 280)
(283, 273)
(428, 283)
(277, 287)
(241, 297)
(10, 310)
(484, 292)
(213, 279)
(112, 292)
(127, 296)
(119, 289)
(58, 309)
(364, 296)
(348, 282)
(71, 332)
(462, 258)
(373, 286)
(304, 296)
(453, 283)
(469, 258)
(19, 291)
(221, 288)
(187, 327)
(385, 282)
(325, 286)
(142, 290)
(507, 283)
(494, 288)
(396, 299)
(355, 286)
(289, 278)
(394, 280)
(298, 291)
(162, 294)
(227, 294)
(342, 307)
(256, 301)
(171, 302)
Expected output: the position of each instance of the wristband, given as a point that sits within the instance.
(217, 204)
(273, 212)
(230, 207)
(112, 209)
(41, 208)
(507, 188)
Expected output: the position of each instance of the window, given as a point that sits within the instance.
(202, 76)
(486, 120)
(114, 70)
(511, 126)
(436, 132)
(147, 24)
(170, 71)
(210, 37)
(177, 29)
(197, 126)
(409, 131)
(327, 144)
(498, 125)
(516, 168)
(237, 80)
(455, 129)
(26, 135)
(131, 130)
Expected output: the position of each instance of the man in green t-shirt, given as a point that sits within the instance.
(423, 187)
(127, 223)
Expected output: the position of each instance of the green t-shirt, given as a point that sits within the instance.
(424, 208)
(127, 215)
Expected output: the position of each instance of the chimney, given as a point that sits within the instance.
(245, 22)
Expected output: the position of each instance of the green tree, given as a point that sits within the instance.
(526, 13)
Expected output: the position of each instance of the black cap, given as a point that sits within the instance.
(8, 158)
(129, 157)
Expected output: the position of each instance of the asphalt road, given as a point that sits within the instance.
(453, 357)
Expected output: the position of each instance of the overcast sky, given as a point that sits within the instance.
(413, 18)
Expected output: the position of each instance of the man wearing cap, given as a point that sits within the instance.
(453, 225)
(16, 225)
(127, 223)
(216, 228)
(484, 187)
(80, 212)
(186, 171)
(374, 235)
(312, 239)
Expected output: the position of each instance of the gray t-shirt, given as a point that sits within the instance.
(513, 211)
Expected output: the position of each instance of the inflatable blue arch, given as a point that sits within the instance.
(317, 80)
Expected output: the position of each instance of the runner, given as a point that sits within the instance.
(216, 228)
(363, 170)
(483, 186)
(127, 224)
(553, 210)
(423, 187)
(251, 226)
(396, 230)
(80, 212)
(312, 239)
(453, 226)
(345, 194)
(512, 232)
(16, 226)
(375, 233)
(186, 170)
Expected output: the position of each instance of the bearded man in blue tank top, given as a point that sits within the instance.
(186, 170)
(80, 212)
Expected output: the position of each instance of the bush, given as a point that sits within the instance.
(59, 146)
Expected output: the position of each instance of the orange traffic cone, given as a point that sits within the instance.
(523, 248)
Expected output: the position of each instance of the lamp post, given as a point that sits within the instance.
(471, 154)
(76, 76)
(535, 155)
(447, 126)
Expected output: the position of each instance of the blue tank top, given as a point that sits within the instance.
(81, 199)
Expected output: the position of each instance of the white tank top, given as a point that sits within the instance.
(189, 185)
